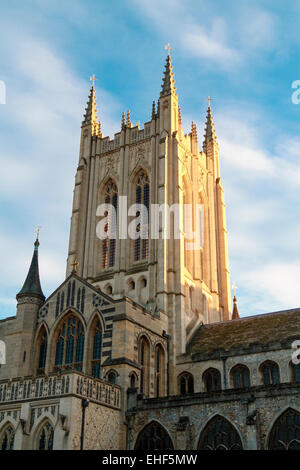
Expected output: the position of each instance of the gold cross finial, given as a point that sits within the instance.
(93, 79)
(168, 48)
(75, 266)
(234, 287)
(38, 231)
(209, 99)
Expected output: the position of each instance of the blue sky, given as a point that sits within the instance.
(244, 54)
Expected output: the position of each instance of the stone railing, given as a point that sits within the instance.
(68, 383)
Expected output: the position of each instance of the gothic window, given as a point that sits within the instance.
(212, 380)
(285, 434)
(154, 437)
(109, 290)
(240, 377)
(45, 437)
(144, 360)
(219, 434)
(295, 372)
(70, 344)
(109, 244)
(142, 196)
(7, 438)
(112, 377)
(42, 350)
(270, 373)
(97, 349)
(159, 377)
(186, 383)
(133, 380)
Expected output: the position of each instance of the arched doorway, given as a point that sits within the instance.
(285, 433)
(219, 434)
(154, 437)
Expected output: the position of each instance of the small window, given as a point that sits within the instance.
(212, 380)
(131, 285)
(186, 383)
(270, 373)
(240, 377)
(112, 378)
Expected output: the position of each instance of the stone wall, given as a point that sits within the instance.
(252, 412)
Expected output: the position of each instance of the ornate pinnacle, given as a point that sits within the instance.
(153, 110)
(128, 123)
(123, 121)
(179, 116)
(210, 134)
(90, 116)
(168, 85)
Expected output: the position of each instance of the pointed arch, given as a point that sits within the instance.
(144, 361)
(7, 436)
(185, 383)
(154, 437)
(95, 342)
(219, 434)
(41, 348)
(211, 380)
(109, 196)
(141, 184)
(285, 431)
(269, 371)
(44, 436)
(68, 342)
(159, 371)
(240, 376)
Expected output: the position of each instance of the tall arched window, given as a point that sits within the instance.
(42, 350)
(45, 437)
(212, 380)
(142, 196)
(240, 376)
(285, 434)
(97, 349)
(154, 437)
(7, 438)
(144, 360)
(185, 383)
(109, 243)
(69, 344)
(159, 377)
(219, 434)
(270, 373)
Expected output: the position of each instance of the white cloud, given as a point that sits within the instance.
(278, 281)
(204, 45)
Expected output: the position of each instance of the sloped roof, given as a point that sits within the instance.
(243, 333)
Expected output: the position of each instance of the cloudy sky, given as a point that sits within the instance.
(246, 55)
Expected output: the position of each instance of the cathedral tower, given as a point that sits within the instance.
(156, 165)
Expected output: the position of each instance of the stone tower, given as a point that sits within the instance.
(156, 165)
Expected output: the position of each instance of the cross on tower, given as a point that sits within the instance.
(75, 266)
(38, 231)
(93, 79)
(168, 48)
(209, 99)
(234, 287)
